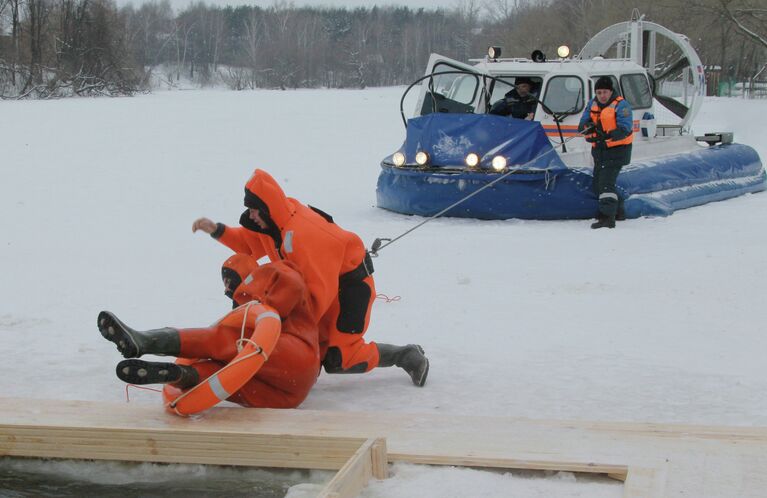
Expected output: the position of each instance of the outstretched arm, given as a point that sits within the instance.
(234, 239)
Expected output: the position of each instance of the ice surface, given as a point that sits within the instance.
(659, 320)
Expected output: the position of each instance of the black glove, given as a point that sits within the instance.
(587, 127)
(599, 136)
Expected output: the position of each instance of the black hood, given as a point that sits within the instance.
(252, 201)
(234, 279)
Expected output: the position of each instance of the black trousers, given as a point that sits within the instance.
(607, 165)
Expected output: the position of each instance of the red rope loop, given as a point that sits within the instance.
(388, 299)
(127, 395)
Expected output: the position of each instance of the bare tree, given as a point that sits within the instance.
(502, 11)
(37, 16)
(251, 45)
(748, 20)
(14, 56)
(88, 46)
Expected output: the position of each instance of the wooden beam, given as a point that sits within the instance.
(379, 459)
(355, 474)
(168, 446)
(512, 463)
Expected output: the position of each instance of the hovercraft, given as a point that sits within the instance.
(540, 168)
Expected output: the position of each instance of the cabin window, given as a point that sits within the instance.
(636, 89)
(454, 92)
(463, 89)
(564, 94)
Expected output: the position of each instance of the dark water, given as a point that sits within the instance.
(70, 478)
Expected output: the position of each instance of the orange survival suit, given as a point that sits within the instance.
(334, 263)
(285, 379)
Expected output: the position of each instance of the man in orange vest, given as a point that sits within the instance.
(283, 381)
(337, 269)
(608, 125)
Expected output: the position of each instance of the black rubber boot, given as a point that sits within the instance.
(621, 214)
(604, 222)
(409, 358)
(148, 372)
(133, 343)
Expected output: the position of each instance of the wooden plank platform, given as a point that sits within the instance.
(654, 459)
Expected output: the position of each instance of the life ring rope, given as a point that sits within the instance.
(213, 382)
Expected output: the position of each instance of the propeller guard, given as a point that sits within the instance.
(636, 40)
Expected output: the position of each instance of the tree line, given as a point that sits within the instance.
(51, 48)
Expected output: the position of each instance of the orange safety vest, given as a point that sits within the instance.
(606, 117)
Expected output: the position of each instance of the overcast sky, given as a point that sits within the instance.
(431, 4)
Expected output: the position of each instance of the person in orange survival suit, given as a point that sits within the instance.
(338, 272)
(283, 381)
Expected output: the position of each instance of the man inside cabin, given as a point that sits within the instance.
(519, 102)
(607, 122)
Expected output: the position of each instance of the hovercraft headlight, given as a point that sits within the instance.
(422, 158)
(499, 163)
(398, 158)
(563, 51)
(472, 160)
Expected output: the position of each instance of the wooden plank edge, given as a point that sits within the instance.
(356, 473)
(510, 463)
(380, 459)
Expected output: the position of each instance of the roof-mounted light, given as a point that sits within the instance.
(563, 51)
(494, 52)
(538, 56)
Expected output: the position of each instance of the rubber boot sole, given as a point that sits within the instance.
(118, 333)
(147, 372)
(419, 376)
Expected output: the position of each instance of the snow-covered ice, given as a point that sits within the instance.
(659, 320)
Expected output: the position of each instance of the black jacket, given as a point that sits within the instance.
(514, 105)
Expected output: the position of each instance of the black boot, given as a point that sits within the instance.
(604, 222)
(621, 214)
(410, 358)
(148, 372)
(132, 343)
